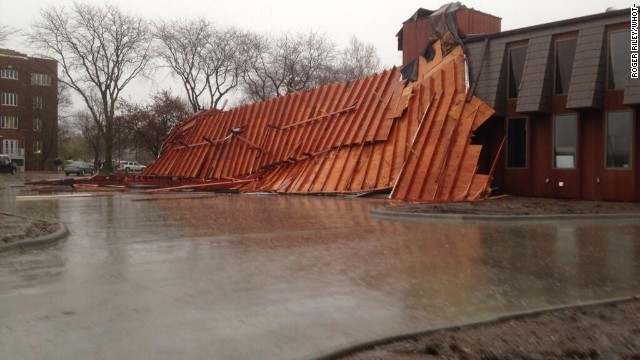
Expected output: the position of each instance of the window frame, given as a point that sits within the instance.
(555, 64)
(6, 96)
(37, 146)
(576, 140)
(37, 124)
(11, 120)
(517, 86)
(526, 148)
(606, 142)
(38, 79)
(608, 62)
(37, 102)
(4, 74)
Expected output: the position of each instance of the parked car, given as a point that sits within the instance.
(6, 165)
(128, 166)
(79, 168)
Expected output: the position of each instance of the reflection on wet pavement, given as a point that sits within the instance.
(273, 277)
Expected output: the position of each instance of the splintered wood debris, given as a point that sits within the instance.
(376, 134)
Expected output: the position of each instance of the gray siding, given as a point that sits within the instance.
(536, 90)
(586, 89)
(632, 92)
(492, 85)
(587, 85)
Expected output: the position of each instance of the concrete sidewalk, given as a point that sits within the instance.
(21, 232)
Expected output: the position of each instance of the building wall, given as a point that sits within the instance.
(31, 156)
(415, 37)
(587, 97)
(415, 33)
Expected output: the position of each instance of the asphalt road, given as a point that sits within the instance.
(194, 276)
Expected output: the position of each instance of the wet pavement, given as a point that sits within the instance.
(280, 277)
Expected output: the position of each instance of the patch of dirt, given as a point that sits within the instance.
(16, 228)
(513, 205)
(610, 331)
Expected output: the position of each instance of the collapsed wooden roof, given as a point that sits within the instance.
(375, 134)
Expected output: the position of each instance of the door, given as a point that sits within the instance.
(10, 147)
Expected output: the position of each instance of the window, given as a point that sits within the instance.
(618, 61)
(37, 124)
(619, 138)
(565, 129)
(40, 79)
(516, 68)
(517, 142)
(565, 52)
(9, 74)
(37, 146)
(9, 99)
(8, 122)
(37, 102)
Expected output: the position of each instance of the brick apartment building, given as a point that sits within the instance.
(563, 99)
(28, 110)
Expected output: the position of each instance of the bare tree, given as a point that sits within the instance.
(64, 114)
(209, 60)
(358, 60)
(68, 136)
(65, 134)
(288, 64)
(182, 47)
(262, 80)
(64, 100)
(100, 51)
(84, 122)
(5, 33)
(228, 62)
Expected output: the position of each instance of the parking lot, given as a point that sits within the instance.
(151, 276)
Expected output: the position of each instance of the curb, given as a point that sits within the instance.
(44, 240)
(395, 215)
(368, 345)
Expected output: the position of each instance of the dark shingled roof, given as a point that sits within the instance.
(602, 15)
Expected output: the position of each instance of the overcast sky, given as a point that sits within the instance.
(371, 21)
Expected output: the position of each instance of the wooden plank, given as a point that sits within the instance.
(404, 101)
(330, 137)
(479, 187)
(335, 169)
(467, 172)
(362, 166)
(458, 149)
(429, 148)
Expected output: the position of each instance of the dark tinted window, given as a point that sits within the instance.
(516, 68)
(618, 143)
(619, 54)
(517, 142)
(565, 52)
(565, 129)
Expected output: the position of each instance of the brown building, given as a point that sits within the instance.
(28, 110)
(414, 35)
(564, 102)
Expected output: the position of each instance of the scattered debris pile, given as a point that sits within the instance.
(376, 134)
